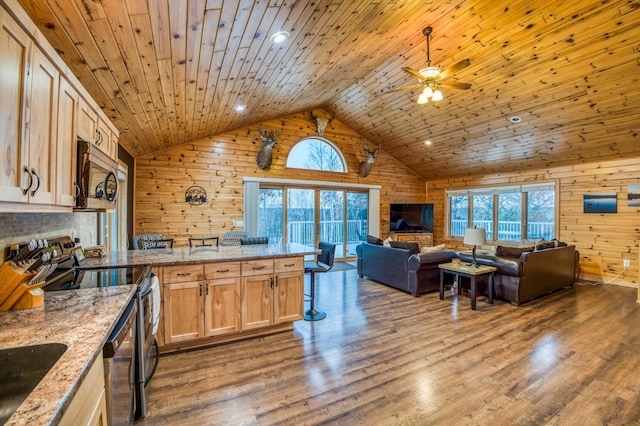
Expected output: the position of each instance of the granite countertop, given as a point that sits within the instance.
(176, 256)
(80, 319)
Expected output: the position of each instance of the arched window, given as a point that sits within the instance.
(316, 154)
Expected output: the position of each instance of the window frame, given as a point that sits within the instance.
(332, 145)
(495, 191)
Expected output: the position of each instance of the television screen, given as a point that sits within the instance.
(411, 218)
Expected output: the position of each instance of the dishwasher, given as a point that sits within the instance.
(119, 368)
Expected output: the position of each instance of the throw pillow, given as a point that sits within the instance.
(152, 244)
(544, 244)
(559, 243)
(414, 248)
(374, 240)
(512, 251)
(432, 249)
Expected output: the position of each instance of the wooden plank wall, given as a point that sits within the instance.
(603, 240)
(218, 164)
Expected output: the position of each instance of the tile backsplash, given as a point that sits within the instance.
(21, 227)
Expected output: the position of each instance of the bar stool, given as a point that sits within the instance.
(323, 263)
(203, 242)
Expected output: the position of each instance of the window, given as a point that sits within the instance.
(517, 213)
(316, 154)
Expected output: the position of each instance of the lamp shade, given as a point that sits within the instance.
(475, 236)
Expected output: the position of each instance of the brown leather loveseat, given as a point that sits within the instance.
(402, 269)
(523, 276)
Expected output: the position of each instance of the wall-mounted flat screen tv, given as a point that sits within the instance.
(411, 218)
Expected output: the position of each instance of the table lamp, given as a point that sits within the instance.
(475, 237)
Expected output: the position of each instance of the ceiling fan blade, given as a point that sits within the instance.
(455, 85)
(414, 73)
(399, 89)
(454, 68)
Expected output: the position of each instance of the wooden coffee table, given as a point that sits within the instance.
(470, 272)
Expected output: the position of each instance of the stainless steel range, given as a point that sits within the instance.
(72, 274)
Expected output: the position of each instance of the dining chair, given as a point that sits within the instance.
(203, 242)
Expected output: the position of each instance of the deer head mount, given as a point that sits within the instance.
(321, 122)
(268, 142)
(367, 165)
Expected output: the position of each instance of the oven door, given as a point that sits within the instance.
(119, 368)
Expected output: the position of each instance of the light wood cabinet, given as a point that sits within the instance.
(95, 129)
(222, 298)
(201, 305)
(67, 144)
(272, 292)
(42, 112)
(87, 122)
(424, 240)
(183, 304)
(28, 113)
(228, 298)
(88, 406)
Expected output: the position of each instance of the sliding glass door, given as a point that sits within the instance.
(301, 217)
(310, 215)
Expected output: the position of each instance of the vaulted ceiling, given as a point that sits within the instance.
(168, 72)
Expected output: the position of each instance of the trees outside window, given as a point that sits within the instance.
(316, 154)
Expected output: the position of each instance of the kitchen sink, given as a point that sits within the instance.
(21, 369)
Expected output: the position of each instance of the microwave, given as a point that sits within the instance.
(96, 179)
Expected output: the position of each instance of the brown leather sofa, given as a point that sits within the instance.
(401, 269)
(531, 274)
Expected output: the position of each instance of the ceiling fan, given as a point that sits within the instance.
(431, 78)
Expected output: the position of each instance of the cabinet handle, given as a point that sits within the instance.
(222, 270)
(271, 282)
(33, 172)
(276, 281)
(207, 288)
(200, 289)
(289, 265)
(257, 268)
(183, 274)
(99, 140)
(26, 170)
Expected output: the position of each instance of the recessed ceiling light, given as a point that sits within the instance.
(428, 142)
(240, 108)
(279, 37)
(515, 119)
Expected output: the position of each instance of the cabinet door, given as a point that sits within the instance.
(222, 306)
(87, 122)
(183, 311)
(104, 139)
(42, 117)
(14, 51)
(67, 144)
(289, 299)
(257, 306)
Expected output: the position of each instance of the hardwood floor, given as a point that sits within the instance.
(383, 357)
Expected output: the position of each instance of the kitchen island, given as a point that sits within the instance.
(210, 295)
(80, 319)
(187, 255)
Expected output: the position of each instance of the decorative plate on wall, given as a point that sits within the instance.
(195, 195)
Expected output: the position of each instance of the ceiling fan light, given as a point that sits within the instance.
(428, 92)
(437, 96)
(430, 72)
(422, 99)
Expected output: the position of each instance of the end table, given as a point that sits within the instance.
(470, 272)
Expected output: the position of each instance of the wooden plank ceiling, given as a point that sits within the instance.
(168, 72)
